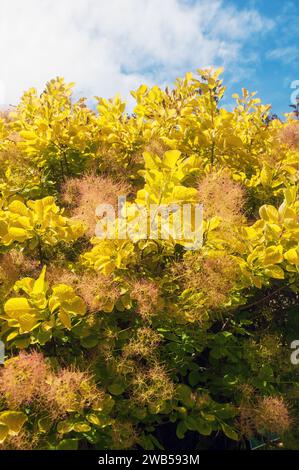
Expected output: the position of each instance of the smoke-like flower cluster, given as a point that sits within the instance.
(260, 415)
(83, 195)
(29, 380)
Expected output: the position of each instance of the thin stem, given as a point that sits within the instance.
(62, 171)
(260, 301)
(40, 252)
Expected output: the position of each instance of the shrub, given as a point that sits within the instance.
(107, 340)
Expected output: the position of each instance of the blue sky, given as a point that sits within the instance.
(276, 67)
(112, 46)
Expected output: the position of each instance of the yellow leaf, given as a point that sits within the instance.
(234, 141)
(75, 306)
(266, 176)
(27, 322)
(275, 271)
(64, 427)
(269, 213)
(292, 256)
(273, 255)
(171, 157)
(82, 427)
(26, 285)
(106, 267)
(141, 90)
(94, 419)
(150, 160)
(18, 234)
(44, 424)
(40, 285)
(65, 319)
(28, 135)
(53, 304)
(18, 207)
(3, 432)
(14, 420)
(66, 297)
(12, 335)
(17, 306)
(181, 193)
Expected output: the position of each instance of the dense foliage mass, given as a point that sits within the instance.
(129, 343)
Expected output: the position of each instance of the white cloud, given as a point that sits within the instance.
(287, 55)
(110, 46)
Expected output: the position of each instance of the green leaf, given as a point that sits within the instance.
(191, 423)
(68, 444)
(63, 427)
(229, 432)
(146, 442)
(116, 388)
(203, 427)
(89, 342)
(181, 430)
(82, 427)
(44, 424)
(193, 378)
(184, 394)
